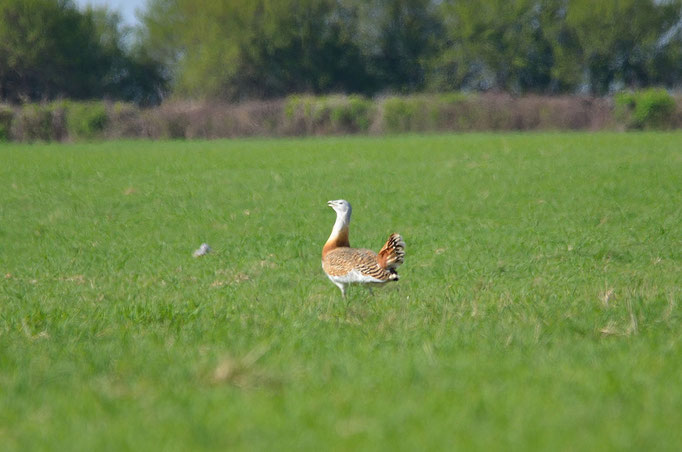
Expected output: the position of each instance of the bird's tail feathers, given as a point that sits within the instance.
(393, 252)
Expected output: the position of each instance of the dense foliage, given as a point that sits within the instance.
(245, 49)
(50, 49)
(256, 49)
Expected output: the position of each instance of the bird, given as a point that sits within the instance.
(345, 265)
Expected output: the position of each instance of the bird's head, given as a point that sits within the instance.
(341, 206)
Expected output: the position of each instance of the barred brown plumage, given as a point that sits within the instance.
(345, 265)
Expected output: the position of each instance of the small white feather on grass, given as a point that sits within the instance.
(203, 250)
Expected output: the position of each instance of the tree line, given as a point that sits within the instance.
(50, 49)
(254, 49)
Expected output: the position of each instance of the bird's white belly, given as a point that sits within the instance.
(355, 277)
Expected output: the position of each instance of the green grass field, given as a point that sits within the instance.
(538, 306)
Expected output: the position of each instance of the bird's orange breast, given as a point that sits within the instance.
(339, 240)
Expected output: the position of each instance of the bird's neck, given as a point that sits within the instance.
(339, 236)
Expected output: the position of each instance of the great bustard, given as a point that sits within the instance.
(345, 265)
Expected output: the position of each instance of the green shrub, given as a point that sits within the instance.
(399, 113)
(6, 118)
(123, 109)
(350, 114)
(453, 97)
(291, 106)
(335, 114)
(421, 112)
(86, 119)
(647, 109)
(34, 122)
(362, 111)
(305, 111)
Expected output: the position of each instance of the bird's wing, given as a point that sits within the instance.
(343, 261)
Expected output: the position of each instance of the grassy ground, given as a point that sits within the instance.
(538, 308)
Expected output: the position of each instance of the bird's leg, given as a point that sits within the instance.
(341, 287)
